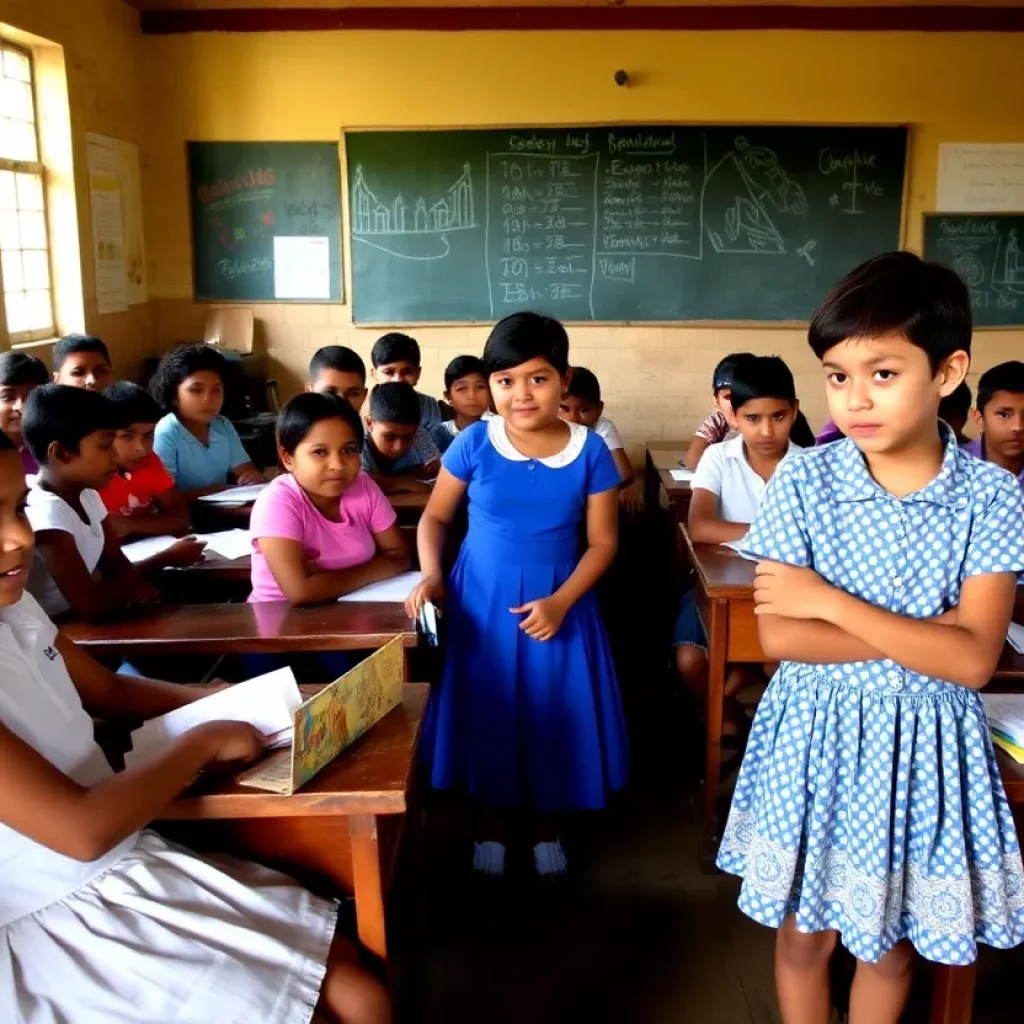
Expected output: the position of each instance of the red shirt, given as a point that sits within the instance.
(131, 494)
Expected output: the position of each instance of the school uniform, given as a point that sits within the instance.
(869, 800)
(193, 464)
(715, 429)
(132, 494)
(609, 433)
(977, 449)
(148, 931)
(443, 433)
(421, 451)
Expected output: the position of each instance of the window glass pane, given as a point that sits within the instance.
(14, 277)
(37, 310)
(17, 318)
(8, 191)
(18, 140)
(16, 65)
(10, 232)
(33, 230)
(30, 192)
(16, 100)
(36, 268)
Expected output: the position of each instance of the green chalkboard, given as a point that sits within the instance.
(616, 224)
(987, 251)
(266, 221)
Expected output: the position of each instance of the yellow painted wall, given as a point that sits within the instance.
(308, 86)
(101, 41)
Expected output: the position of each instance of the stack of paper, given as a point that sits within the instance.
(229, 544)
(235, 495)
(681, 476)
(398, 588)
(1005, 713)
(267, 703)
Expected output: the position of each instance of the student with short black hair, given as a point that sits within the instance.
(19, 375)
(397, 452)
(582, 403)
(337, 370)
(71, 434)
(719, 425)
(1000, 417)
(396, 357)
(82, 361)
(466, 391)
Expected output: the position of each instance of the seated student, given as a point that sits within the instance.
(79, 564)
(397, 452)
(720, 425)
(19, 374)
(336, 370)
(1000, 416)
(322, 528)
(466, 391)
(82, 361)
(102, 919)
(727, 487)
(396, 357)
(199, 447)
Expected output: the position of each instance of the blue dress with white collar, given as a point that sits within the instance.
(869, 800)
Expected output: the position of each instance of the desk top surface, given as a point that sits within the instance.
(372, 777)
(667, 454)
(410, 499)
(722, 572)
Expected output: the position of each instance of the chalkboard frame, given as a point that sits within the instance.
(981, 214)
(377, 325)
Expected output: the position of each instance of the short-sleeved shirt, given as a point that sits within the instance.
(909, 555)
(284, 510)
(422, 451)
(715, 429)
(48, 511)
(724, 471)
(977, 449)
(606, 429)
(193, 465)
(430, 411)
(132, 494)
(443, 433)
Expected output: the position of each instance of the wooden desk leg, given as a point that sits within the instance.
(953, 994)
(713, 711)
(368, 879)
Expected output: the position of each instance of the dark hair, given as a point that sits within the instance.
(722, 377)
(524, 336)
(337, 358)
(136, 404)
(395, 348)
(179, 363)
(16, 369)
(72, 343)
(958, 404)
(1007, 376)
(584, 384)
(800, 433)
(395, 402)
(462, 366)
(57, 412)
(761, 377)
(304, 410)
(897, 292)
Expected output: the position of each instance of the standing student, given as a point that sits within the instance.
(466, 391)
(1000, 417)
(102, 919)
(869, 807)
(397, 452)
(322, 528)
(527, 714)
(336, 370)
(82, 361)
(19, 374)
(396, 359)
(719, 425)
(200, 448)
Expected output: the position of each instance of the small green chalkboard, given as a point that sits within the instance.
(266, 221)
(987, 251)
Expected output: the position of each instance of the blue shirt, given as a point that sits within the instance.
(194, 465)
(423, 450)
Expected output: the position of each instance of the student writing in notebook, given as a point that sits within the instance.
(101, 919)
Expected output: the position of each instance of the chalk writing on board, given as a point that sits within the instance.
(990, 264)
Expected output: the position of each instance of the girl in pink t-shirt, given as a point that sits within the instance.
(323, 528)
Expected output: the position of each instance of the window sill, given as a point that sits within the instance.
(23, 346)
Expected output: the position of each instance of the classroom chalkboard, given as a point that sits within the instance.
(655, 223)
(987, 251)
(266, 221)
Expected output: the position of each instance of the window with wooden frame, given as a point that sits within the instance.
(26, 292)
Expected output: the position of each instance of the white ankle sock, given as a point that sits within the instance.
(489, 857)
(550, 858)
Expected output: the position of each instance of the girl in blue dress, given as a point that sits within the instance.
(869, 806)
(527, 714)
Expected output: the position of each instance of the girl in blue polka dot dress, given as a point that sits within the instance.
(869, 806)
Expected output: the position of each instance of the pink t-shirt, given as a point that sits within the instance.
(284, 510)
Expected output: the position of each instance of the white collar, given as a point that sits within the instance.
(733, 449)
(498, 436)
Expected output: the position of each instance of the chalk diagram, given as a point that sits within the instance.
(984, 262)
(752, 188)
(416, 229)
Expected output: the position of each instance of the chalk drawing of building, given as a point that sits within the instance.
(452, 211)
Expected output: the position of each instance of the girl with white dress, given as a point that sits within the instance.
(100, 919)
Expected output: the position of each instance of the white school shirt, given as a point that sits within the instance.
(604, 428)
(48, 511)
(40, 705)
(723, 470)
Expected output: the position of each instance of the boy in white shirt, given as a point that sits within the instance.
(727, 487)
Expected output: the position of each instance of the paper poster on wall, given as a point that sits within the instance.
(131, 218)
(107, 224)
(302, 267)
(981, 177)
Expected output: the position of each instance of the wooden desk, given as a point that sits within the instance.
(344, 826)
(272, 627)
(659, 457)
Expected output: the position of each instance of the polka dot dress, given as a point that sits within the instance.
(869, 801)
